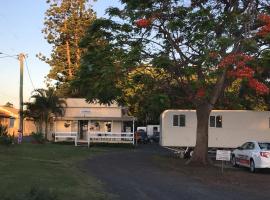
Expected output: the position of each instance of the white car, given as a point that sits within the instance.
(252, 154)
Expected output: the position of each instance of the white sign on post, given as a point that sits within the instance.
(224, 155)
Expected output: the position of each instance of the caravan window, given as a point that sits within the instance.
(215, 121)
(219, 121)
(212, 121)
(175, 120)
(182, 120)
(179, 120)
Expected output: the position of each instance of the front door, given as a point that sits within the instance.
(83, 129)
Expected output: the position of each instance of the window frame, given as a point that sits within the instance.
(175, 119)
(215, 121)
(182, 120)
(219, 122)
(179, 120)
(213, 118)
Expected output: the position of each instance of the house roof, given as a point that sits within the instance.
(81, 103)
(9, 112)
(126, 118)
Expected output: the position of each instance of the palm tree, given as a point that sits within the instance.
(44, 106)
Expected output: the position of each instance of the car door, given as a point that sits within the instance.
(240, 154)
(246, 154)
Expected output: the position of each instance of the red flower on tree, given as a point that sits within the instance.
(245, 72)
(260, 88)
(143, 23)
(265, 30)
(200, 93)
(241, 70)
(236, 59)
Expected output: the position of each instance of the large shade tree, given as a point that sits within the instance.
(207, 47)
(64, 26)
(44, 105)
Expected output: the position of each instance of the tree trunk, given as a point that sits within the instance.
(39, 126)
(68, 52)
(68, 60)
(46, 130)
(200, 154)
(78, 53)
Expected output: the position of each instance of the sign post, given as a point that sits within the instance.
(20, 136)
(223, 155)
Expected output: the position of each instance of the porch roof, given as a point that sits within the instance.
(126, 118)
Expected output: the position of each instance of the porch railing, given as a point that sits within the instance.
(63, 136)
(96, 137)
(110, 137)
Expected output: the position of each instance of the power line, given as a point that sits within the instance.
(28, 72)
(5, 55)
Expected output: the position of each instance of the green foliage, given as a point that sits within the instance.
(64, 25)
(5, 139)
(186, 42)
(44, 105)
(179, 41)
(38, 137)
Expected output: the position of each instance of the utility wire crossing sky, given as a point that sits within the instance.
(21, 23)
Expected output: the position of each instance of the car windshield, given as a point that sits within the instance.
(264, 145)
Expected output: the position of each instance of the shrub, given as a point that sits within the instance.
(5, 139)
(38, 137)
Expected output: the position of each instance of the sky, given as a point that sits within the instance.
(21, 22)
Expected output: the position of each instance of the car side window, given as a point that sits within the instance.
(251, 146)
(244, 146)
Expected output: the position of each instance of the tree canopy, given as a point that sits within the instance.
(209, 49)
(44, 105)
(65, 24)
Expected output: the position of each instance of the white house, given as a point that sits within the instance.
(92, 119)
(227, 128)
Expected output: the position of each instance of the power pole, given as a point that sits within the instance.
(21, 58)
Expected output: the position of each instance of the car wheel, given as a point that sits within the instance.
(234, 161)
(252, 167)
(191, 153)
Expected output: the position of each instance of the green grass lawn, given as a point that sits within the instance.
(49, 167)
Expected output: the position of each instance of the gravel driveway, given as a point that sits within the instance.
(150, 172)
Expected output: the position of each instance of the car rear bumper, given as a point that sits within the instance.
(263, 163)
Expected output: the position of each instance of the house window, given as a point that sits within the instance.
(215, 121)
(179, 120)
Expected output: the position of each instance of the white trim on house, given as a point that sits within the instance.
(101, 123)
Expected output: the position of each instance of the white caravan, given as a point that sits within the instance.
(141, 128)
(151, 129)
(227, 128)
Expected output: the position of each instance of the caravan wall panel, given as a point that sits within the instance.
(238, 126)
